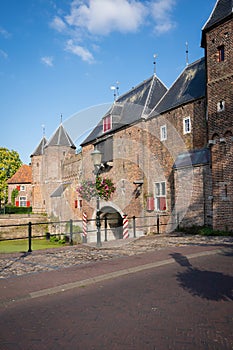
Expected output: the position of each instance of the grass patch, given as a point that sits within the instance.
(21, 245)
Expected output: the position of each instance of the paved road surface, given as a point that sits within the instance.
(178, 298)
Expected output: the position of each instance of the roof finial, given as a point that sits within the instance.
(187, 53)
(43, 129)
(115, 88)
(61, 118)
(154, 62)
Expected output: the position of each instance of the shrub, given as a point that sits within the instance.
(11, 209)
(204, 231)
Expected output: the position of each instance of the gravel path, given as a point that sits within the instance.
(18, 264)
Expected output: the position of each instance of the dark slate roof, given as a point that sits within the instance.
(189, 86)
(60, 138)
(222, 10)
(131, 107)
(40, 148)
(22, 176)
(148, 92)
(192, 158)
(60, 189)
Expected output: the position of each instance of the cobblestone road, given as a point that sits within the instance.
(53, 259)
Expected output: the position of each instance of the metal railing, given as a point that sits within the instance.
(67, 229)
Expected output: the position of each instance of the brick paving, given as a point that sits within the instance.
(19, 264)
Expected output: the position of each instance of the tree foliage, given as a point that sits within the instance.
(9, 163)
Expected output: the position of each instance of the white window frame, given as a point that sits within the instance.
(185, 129)
(22, 188)
(163, 132)
(160, 192)
(22, 201)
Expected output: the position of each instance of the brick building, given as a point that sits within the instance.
(168, 151)
(22, 182)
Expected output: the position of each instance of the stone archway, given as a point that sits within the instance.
(114, 221)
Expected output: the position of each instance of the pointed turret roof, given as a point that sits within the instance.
(222, 11)
(61, 138)
(40, 148)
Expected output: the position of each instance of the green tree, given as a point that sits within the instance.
(9, 163)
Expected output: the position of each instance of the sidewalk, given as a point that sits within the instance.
(47, 272)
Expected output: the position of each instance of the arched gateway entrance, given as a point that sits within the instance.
(114, 222)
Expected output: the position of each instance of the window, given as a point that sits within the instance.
(221, 106)
(106, 148)
(22, 188)
(78, 203)
(186, 125)
(163, 132)
(22, 202)
(160, 196)
(221, 53)
(107, 123)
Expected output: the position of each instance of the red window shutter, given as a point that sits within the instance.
(76, 203)
(150, 204)
(28, 203)
(162, 203)
(17, 203)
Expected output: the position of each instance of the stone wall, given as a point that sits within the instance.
(19, 228)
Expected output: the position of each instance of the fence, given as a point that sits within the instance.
(77, 231)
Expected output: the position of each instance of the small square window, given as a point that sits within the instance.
(163, 132)
(22, 188)
(107, 123)
(186, 125)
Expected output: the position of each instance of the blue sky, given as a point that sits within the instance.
(62, 57)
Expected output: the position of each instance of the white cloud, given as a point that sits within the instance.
(80, 51)
(161, 12)
(4, 33)
(47, 60)
(104, 16)
(90, 19)
(3, 54)
(58, 24)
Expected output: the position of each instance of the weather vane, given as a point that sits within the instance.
(187, 53)
(115, 88)
(43, 129)
(154, 62)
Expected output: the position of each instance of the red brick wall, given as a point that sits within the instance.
(220, 124)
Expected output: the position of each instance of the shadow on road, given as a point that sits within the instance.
(205, 284)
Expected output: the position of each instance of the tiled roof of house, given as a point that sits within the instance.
(23, 175)
(223, 9)
(131, 107)
(190, 85)
(40, 148)
(60, 138)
